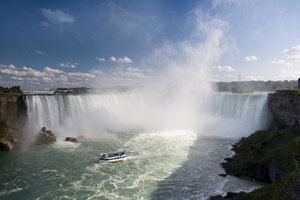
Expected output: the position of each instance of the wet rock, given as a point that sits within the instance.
(6, 145)
(71, 139)
(45, 137)
(216, 197)
(43, 129)
(275, 173)
(231, 194)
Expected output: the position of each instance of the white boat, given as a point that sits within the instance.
(112, 157)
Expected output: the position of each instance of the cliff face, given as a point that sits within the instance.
(13, 117)
(12, 106)
(286, 107)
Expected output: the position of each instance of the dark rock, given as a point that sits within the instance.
(223, 175)
(49, 132)
(6, 145)
(282, 126)
(228, 159)
(216, 197)
(231, 194)
(71, 139)
(275, 173)
(45, 137)
(286, 107)
(295, 193)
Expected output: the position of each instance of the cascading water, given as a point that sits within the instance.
(238, 115)
(164, 160)
(119, 111)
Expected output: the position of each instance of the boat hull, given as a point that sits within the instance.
(111, 160)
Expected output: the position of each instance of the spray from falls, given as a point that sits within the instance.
(227, 115)
(176, 96)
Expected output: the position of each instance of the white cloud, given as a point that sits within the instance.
(96, 72)
(130, 74)
(100, 59)
(39, 52)
(124, 60)
(293, 54)
(250, 58)
(130, 69)
(68, 65)
(80, 75)
(17, 78)
(113, 59)
(24, 71)
(24, 78)
(278, 62)
(55, 71)
(61, 78)
(225, 68)
(289, 74)
(8, 66)
(282, 62)
(121, 60)
(57, 17)
(46, 79)
(27, 73)
(254, 78)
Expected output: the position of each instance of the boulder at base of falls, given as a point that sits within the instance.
(6, 145)
(45, 137)
(71, 139)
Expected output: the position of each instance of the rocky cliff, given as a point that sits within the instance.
(13, 117)
(285, 104)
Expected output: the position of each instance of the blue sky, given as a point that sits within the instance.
(49, 44)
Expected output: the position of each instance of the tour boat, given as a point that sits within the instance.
(112, 157)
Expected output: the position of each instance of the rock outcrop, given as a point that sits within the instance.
(13, 117)
(270, 156)
(6, 145)
(71, 139)
(45, 137)
(285, 104)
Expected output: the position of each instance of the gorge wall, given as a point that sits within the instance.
(285, 104)
(13, 117)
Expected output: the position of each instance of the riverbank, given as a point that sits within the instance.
(271, 156)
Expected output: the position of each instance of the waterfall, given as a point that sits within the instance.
(239, 114)
(251, 107)
(92, 113)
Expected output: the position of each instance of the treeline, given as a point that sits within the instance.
(251, 86)
(14, 89)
